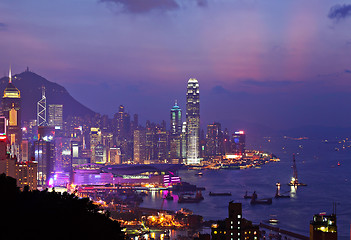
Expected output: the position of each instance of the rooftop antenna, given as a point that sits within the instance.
(10, 75)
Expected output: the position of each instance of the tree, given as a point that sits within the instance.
(51, 215)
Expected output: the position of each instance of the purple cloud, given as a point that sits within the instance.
(339, 12)
(142, 6)
(3, 26)
(146, 6)
(268, 83)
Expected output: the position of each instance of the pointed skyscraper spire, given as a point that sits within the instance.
(10, 75)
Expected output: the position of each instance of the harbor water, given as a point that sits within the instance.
(324, 167)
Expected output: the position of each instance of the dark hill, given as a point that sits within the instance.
(30, 85)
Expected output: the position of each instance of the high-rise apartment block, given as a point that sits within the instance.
(235, 227)
(323, 227)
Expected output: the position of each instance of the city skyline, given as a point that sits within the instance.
(285, 73)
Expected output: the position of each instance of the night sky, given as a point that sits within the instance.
(280, 64)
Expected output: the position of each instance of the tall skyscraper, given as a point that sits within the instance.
(44, 150)
(139, 146)
(238, 145)
(11, 108)
(214, 140)
(193, 121)
(176, 119)
(176, 131)
(41, 110)
(95, 140)
(56, 115)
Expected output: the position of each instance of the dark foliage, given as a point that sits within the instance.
(51, 215)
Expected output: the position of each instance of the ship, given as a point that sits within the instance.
(169, 196)
(277, 193)
(255, 201)
(267, 201)
(248, 196)
(220, 194)
(187, 199)
(294, 180)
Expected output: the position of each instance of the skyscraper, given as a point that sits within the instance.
(41, 110)
(56, 115)
(214, 140)
(95, 140)
(11, 108)
(139, 146)
(193, 121)
(176, 131)
(238, 145)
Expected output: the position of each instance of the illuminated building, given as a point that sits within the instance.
(123, 134)
(41, 110)
(235, 227)
(238, 142)
(157, 146)
(176, 119)
(214, 140)
(114, 155)
(123, 124)
(24, 150)
(193, 121)
(26, 174)
(77, 157)
(44, 151)
(56, 115)
(183, 137)
(95, 139)
(162, 143)
(100, 154)
(11, 109)
(176, 132)
(94, 174)
(44, 154)
(323, 227)
(139, 146)
(62, 160)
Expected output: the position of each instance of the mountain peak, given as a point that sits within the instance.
(30, 84)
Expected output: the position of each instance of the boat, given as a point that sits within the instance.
(273, 219)
(169, 196)
(294, 180)
(187, 199)
(267, 201)
(254, 200)
(281, 196)
(248, 196)
(277, 193)
(220, 194)
(199, 174)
